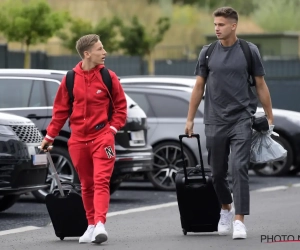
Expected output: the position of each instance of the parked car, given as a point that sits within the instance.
(165, 100)
(30, 93)
(19, 139)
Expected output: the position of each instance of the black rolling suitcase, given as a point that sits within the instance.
(65, 208)
(198, 203)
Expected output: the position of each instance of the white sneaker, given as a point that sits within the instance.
(225, 221)
(87, 236)
(99, 235)
(239, 230)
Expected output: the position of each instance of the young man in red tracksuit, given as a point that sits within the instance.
(91, 145)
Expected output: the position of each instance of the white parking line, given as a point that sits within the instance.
(296, 185)
(19, 230)
(269, 189)
(142, 209)
(276, 188)
(128, 211)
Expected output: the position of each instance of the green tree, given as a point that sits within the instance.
(242, 6)
(278, 15)
(138, 41)
(29, 23)
(106, 29)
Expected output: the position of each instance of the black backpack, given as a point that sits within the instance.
(248, 55)
(70, 77)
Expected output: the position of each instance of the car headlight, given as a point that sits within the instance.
(6, 130)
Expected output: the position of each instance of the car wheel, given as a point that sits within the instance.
(277, 168)
(8, 201)
(114, 186)
(166, 162)
(64, 168)
(115, 182)
(294, 171)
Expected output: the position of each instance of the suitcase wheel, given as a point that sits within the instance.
(184, 231)
(62, 238)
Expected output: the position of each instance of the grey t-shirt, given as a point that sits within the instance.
(228, 95)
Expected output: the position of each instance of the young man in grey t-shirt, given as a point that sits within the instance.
(229, 106)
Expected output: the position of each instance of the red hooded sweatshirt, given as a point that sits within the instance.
(90, 106)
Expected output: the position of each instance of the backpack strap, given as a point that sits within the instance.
(108, 82)
(208, 54)
(70, 77)
(248, 54)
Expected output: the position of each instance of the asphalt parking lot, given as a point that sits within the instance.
(274, 213)
(131, 195)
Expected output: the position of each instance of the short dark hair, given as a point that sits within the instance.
(84, 43)
(226, 12)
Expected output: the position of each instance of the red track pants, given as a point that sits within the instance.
(94, 162)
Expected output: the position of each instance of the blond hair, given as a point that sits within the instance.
(84, 43)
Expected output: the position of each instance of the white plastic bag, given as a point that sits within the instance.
(264, 149)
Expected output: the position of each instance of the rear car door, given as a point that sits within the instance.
(171, 112)
(24, 96)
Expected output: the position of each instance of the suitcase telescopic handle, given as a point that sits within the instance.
(197, 136)
(54, 172)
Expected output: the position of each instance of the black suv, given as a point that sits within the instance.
(19, 141)
(30, 93)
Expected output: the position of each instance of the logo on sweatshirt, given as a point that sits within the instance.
(98, 91)
(109, 151)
